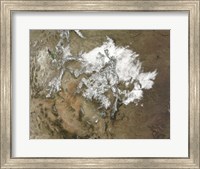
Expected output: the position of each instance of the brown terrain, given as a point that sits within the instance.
(70, 116)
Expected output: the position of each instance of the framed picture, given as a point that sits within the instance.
(100, 84)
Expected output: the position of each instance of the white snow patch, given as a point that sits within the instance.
(115, 64)
(133, 96)
(79, 33)
(146, 79)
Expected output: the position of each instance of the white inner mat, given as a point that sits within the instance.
(176, 146)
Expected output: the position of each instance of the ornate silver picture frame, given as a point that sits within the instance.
(9, 7)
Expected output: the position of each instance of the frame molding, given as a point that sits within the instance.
(7, 7)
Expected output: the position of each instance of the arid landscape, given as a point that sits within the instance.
(80, 88)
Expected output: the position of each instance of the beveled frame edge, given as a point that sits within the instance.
(5, 74)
